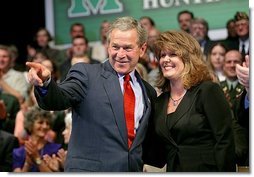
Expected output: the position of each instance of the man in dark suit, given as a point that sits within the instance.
(7, 143)
(100, 138)
(242, 30)
(199, 28)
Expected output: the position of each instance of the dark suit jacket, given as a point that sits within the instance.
(242, 130)
(12, 107)
(198, 136)
(7, 143)
(234, 45)
(99, 136)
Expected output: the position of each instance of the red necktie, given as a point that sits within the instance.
(129, 108)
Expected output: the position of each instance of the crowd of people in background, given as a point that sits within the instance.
(32, 139)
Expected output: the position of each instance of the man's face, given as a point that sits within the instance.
(184, 21)
(198, 31)
(5, 60)
(242, 27)
(79, 47)
(231, 59)
(231, 29)
(124, 51)
(42, 38)
(77, 31)
(145, 23)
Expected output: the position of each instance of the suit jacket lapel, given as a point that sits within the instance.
(113, 90)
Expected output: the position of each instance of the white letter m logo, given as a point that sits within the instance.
(81, 8)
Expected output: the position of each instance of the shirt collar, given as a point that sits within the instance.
(132, 75)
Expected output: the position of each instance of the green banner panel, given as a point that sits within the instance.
(164, 12)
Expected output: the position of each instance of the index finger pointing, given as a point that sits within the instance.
(33, 65)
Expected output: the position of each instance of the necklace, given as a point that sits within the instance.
(175, 101)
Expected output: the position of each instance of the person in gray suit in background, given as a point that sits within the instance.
(100, 139)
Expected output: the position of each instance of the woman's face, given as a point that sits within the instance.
(42, 38)
(67, 133)
(217, 57)
(40, 127)
(171, 65)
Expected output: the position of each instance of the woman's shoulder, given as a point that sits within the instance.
(208, 88)
(208, 85)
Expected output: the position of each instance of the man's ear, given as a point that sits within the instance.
(143, 49)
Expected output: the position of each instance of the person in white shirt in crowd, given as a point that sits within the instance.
(99, 48)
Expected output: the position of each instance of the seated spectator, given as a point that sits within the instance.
(199, 28)
(28, 158)
(79, 54)
(99, 48)
(9, 106)
(11, 81)
(43, 39)
(232, 37)
(76, 29)
(56, 161)
(215, 61)
(242, 44)
(20, 131)
(147, 23)
(184, 18)
(231, 86)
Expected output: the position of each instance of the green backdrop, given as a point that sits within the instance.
(164, 12)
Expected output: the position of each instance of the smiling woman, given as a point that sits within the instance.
(28, 158)
(192, 115)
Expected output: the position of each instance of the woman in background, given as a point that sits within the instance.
(28, 158)
(215, 61)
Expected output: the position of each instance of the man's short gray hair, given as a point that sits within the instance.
(128, 23)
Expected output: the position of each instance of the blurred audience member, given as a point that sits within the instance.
(147, 23)
(56, 161)
(231, 86)
(79, 54)
(184, 19)
(9, 106)
(99, 48)
(215, 61)
(231, 33)
(11, 81)
(242, 31)
(199, 30)
(76, 29)
(28, 158)
(43, 39)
